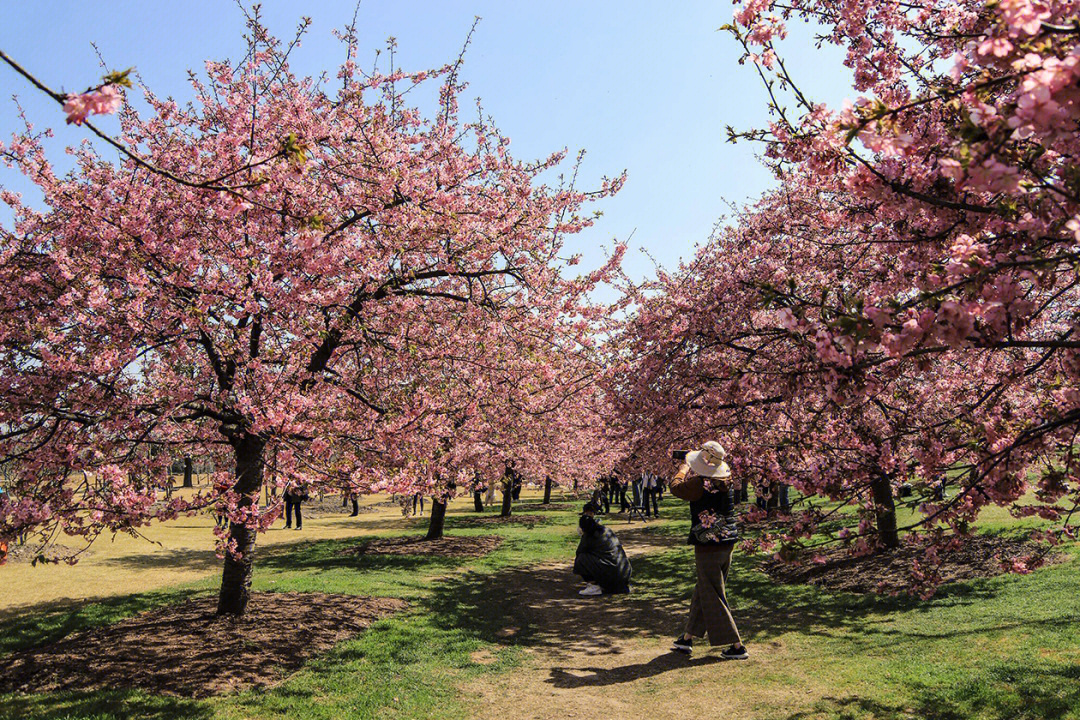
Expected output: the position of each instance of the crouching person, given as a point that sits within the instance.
(601, 561)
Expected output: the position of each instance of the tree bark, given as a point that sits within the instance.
(236, 576)
(508, 490)
(547, 490)
(437, 520)
(189, 472)
(772, 501)
(885, 509)
(478, 500)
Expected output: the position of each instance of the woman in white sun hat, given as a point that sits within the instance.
(705, 480)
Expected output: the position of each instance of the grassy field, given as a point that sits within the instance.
(507, 626)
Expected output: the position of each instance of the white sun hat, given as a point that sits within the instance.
(708, 462)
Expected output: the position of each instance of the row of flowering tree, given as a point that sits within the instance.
(315, 288)
(904, 307)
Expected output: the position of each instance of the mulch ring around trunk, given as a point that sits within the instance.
(460, 546)
(890, 571)
(771, 523)
(528, 520)
(186, 650)
(552, 507)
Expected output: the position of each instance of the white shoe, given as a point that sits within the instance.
(592, 589)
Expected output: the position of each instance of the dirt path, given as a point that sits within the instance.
(608, 658)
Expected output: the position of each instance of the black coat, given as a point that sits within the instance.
(601, 558)
(721, 504)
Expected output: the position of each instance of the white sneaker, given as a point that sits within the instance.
(592, 589)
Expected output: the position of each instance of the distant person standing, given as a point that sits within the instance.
(294, 497)
(649, 492)
(3, 543)
(604, 504)
(613, 490)
(773, 496)
(596, 499)
(703, 479)
(418, 498)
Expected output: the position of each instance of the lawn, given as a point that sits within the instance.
(508, 627)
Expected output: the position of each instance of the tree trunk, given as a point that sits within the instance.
(772, 502)
(547, 490)
(437, 519)
(507, 496)
(885, 509)
(189, 472)
(478, 500)
(236, 576)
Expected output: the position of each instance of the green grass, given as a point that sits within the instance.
(1004, 648)
(408, 666)
(997, 649)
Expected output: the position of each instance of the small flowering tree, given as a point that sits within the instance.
(270, 277)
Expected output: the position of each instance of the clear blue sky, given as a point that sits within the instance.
(641, 85)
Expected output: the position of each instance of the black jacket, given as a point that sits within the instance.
(721, 504)
(601, 558)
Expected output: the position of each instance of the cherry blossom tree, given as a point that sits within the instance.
(903, 307)
(270, 276)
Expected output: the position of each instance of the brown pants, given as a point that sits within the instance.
(709, 609)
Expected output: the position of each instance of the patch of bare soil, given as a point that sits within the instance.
(34, 553)
(890, 571)
(770, 523)
(527, 520)
(551, 507)
(446, 546)
(187, 651)
(607, 657)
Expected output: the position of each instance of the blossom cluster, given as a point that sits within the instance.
(104, 100)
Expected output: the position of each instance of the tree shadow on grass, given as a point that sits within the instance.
(1002, 691)
(101, 706)
(764, 609)
(1008, 690)
(184, 559)
(538, 607)
(327, 555)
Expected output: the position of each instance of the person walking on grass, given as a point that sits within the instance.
(704, 479)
